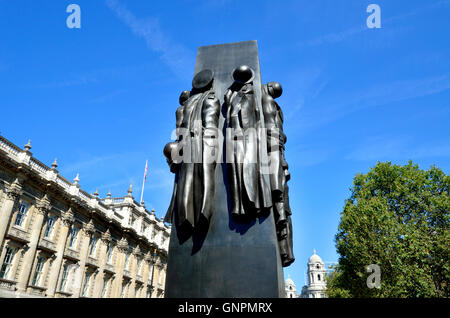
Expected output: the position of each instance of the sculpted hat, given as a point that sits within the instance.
(202, 79)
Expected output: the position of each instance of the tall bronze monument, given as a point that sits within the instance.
(232, 231)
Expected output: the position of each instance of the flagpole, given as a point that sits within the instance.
(143, 181)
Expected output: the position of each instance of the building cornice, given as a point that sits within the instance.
(33, 169)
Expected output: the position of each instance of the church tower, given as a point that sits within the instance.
(316, 278)
(291, 291)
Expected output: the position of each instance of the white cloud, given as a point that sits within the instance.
(376, 95)
(178, 58)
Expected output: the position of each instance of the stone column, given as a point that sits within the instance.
(42, 208)
(13, 193)
(163, 281)
(134, 269)
(158, 277)
(122, 247)
(102, 258)
(147, 272)
(152, 275)
(88, 230)
(67, 220)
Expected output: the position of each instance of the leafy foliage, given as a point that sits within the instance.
(398, 218)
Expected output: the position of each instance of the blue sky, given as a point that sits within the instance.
(102, 98)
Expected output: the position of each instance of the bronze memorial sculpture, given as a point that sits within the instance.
(249, 190)
(197, 121)
(232, 230)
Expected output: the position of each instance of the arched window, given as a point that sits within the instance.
(318, 277)
(318, 266)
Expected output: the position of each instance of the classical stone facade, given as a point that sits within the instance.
(56, 240)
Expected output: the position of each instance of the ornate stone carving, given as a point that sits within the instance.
(44, 205)
(89, 228)
(109, 268)
(47, 245)
(68, 217)
(106, 237)
(74, 255)
(148, 257)
(14, 191)
(7, 284)
(137, 251)
(19, 234)
(123, 245)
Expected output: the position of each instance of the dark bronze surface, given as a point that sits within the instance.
(250, 194)
(273, 117)
(231, 230)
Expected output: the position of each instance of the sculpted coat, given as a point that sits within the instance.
(249, 189)
(273, 117)
(197, 122)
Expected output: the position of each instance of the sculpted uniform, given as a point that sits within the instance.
(173, 147)
(198, 121)
(273, 119)
(249, 191)
(279, 173)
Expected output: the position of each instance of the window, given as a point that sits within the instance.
(136, 291)
(123, 291)
(132, 220)
(50, 226)
(38, 271)
(65, 274)
(105, 286)
(127, 260)
(7, 262)
(87, 280)
(160, 275)
(318, 277)
(93, 246)
(73, 237)
(22, 213)
(109, 253)
(139, 265)
(318, 266)
(151, 270)
(149, 292)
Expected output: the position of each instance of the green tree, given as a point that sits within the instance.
(398, 218)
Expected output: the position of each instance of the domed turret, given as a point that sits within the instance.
(291, 290)
(315, 258)
(316, 278)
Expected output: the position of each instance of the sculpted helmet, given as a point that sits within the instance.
(243, 74)
(184, 96)
(274, 89)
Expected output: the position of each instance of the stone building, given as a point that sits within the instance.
(316, 278)
(290, 289)
(56, 240)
